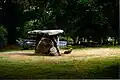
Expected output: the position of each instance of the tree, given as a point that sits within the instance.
(15, 15)
(78, 18)
(3, 39)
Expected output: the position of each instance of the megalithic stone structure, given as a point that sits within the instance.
(46, 42)
(47, 46)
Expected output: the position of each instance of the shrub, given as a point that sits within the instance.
(3, 39)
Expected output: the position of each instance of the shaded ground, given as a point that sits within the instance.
(81, 63)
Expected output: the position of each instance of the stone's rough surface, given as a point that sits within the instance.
(53, 51)
(50, 32)
(44, 45)
(68, 51)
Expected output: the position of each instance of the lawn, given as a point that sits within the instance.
(87, 63)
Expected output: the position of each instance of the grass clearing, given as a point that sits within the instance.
(100, 63)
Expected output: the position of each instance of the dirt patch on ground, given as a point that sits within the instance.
(77, 53)
(95, 52)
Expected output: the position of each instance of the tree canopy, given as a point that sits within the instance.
(89, 19)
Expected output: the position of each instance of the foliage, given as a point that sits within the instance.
(65, 38)
(93, 19)
(3, 33)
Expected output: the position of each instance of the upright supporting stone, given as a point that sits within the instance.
(58, 42)
(43, 46)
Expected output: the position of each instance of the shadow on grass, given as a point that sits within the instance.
(61, 70)
(111, 72)
(33, 54)
(25, 54)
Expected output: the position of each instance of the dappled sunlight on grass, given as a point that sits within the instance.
(83, 63)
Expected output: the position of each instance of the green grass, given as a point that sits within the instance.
(43, 68)
(39, 67)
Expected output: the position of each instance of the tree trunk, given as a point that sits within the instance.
(101, 41)
(115, 40)
(77, 39)
(119, 26)
(10, 21)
